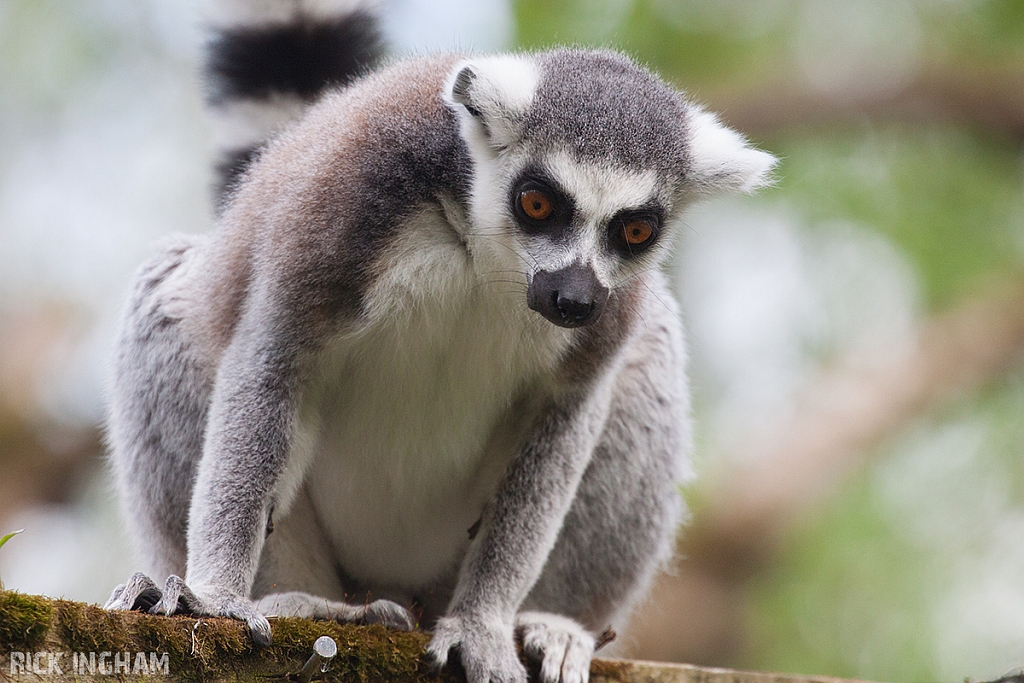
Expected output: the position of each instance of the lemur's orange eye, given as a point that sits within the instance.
(536, 205)
(637, 231)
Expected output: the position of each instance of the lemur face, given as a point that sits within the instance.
(583, 161)
(583, 230)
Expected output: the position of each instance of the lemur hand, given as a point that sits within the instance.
(140, 593)
(487, 651)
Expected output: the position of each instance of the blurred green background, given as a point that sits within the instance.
(857, 331)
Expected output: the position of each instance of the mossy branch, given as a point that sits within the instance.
(213, 649)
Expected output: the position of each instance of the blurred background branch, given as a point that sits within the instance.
(984, 99)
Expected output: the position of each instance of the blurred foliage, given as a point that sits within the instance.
(4, 540)
(992, 30)
(869, 588)
(848, 597)
(9, 536)
(695, 44)
(951, 200)
(46, 48)
(711, 43)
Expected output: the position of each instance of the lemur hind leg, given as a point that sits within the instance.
(298, 576)
(158, 404)
(308, 606)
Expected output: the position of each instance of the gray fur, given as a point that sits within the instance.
(582, 89)
(353, 351)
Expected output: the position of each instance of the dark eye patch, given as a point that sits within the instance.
(540, 206)
(634, 231)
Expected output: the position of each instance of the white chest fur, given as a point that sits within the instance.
(413, 421)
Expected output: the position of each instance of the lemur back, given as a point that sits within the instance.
(426, 363)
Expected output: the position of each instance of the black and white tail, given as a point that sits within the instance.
(269, 59)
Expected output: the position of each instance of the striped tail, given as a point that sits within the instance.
(269, 59)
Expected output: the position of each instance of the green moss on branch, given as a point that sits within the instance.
(214, 649)
(203, 648)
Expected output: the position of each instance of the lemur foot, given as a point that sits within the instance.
(561, 646)
(298, 604)
(488, 654)
(140, 593)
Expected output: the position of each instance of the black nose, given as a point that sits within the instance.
(572, 312)
(570, 297)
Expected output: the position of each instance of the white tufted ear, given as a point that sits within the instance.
(494, 92)
(723, 160)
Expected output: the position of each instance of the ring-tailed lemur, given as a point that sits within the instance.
(427, 355)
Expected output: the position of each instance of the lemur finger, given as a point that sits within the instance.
(174, 600)
(389, 614)
(435, 659)
(576, 665)
(446, 637)
(258, 625)
(243, 610)
(554, 649)
(114, 597)
(139, 593)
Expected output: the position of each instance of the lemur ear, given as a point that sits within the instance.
(461, 85)
(723, 160)
(495, 92)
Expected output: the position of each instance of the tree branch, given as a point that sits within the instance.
(37, 631)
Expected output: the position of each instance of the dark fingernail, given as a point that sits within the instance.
(430, 662)
(260, 637)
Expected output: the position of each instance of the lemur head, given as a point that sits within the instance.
(583, 160)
